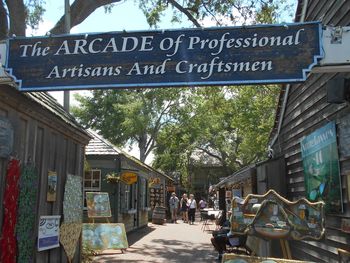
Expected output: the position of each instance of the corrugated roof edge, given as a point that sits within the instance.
(232, 176)
(51, 104)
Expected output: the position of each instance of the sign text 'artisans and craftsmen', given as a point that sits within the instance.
(214, 56)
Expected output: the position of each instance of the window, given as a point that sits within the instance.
(92, 182)
(143, 193)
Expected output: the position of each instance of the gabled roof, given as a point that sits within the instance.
(51, 104)
(100, 146)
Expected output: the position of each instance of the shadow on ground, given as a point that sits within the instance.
(171, 251)
(136, 235)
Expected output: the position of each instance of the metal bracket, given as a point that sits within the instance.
(337, 35)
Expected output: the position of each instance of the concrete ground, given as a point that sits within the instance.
(179, 242)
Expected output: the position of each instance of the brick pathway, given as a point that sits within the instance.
(166, 243)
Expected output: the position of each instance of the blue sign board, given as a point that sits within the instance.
(190, 57)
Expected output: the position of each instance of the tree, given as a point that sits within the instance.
(23, 13)
(129, 116)
(228, 125)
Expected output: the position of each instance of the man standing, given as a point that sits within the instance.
(174, 205)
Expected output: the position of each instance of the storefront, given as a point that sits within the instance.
(43, 148)
(134, 188)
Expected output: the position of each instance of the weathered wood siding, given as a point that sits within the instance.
(307, 110)
(42, 137)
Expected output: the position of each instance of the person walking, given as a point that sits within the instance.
(192, 205)
(184, 208)
(174, 205)
(201, 205)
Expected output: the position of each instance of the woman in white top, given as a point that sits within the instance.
(192, 205)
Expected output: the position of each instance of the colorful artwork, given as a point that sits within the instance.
(272, 216)
(321, 168)
(234, 258)
(51, 186)
(48, 232)
(26, 221)
(98, 204)
(8, 251)
(154, 182)
(104, 236)
(73, 200)
(156, 196)
(69, 237)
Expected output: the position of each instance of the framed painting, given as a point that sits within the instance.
(104, 236)
(98, 204)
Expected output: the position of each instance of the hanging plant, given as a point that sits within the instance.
(112, 178)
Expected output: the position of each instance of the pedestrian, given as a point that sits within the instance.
(192, 205)
(201, 205)
(184, 208)
(174, 205)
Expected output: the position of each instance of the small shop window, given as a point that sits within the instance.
(92, 182)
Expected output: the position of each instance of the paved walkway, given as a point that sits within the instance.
(166, 243)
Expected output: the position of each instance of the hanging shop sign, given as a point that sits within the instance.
(128, 177)
(6, 137)
(48, 232)
(187, 57)
(319, 152)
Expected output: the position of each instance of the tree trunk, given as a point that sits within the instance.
(143, 147)
(80, 10)
(4, 25)
(17, 17)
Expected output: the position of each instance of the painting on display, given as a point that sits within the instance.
(234, 258)
(272, 216)
(51, 186)
(48, 232)
(69, 238)
(73, 200)
(104, 236)
(98, 204)
(321, 168)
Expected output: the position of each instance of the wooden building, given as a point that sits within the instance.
(47, 137)
(131, 204)
(303, 109)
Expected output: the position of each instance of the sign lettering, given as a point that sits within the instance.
(213, 56)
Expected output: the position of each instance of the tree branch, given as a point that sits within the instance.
(209, 153)
(4, 25)
(17, 17)
(80, 10)
(185, 11)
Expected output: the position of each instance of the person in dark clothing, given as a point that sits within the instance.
(184, 208)
(222, 238)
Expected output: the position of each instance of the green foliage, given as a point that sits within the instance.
(228, 12)
(88, 254)
(229, 126)
(128, 116)
(34, 12)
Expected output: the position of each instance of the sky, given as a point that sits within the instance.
(124, 16)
